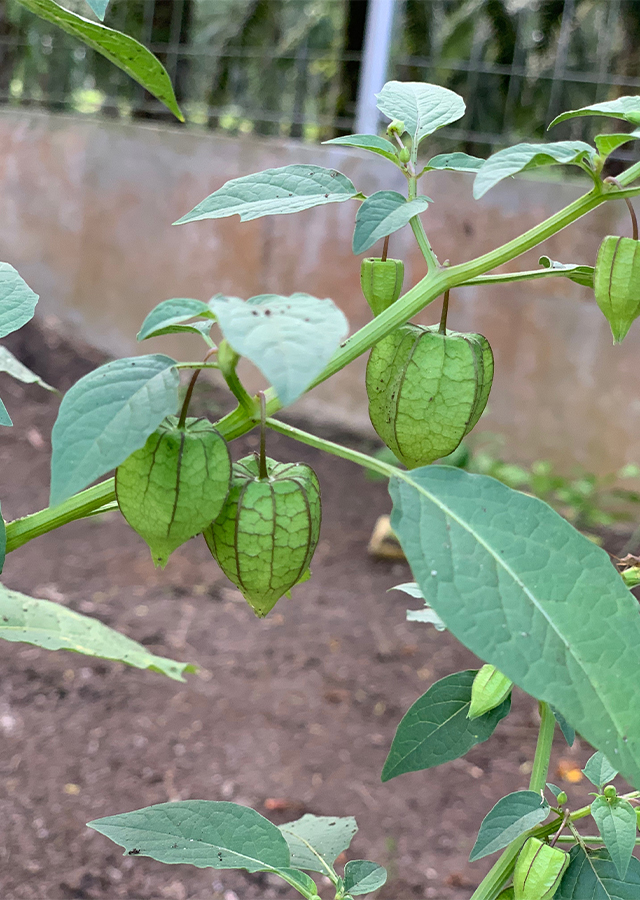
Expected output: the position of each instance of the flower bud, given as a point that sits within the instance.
(381, 282)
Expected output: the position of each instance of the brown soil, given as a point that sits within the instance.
(289, 715)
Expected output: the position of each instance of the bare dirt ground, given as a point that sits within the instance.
(289, 715)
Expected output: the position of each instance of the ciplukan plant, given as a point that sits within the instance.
(512, 580)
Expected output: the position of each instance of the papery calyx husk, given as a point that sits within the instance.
(268, 530)
(171, 488)
(616, 283)
(538, 871)
(489, 689)
(381, 282)
(427, 390)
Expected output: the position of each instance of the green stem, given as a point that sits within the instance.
(240, 393)
(311, 440)
(493, 883)
(21, 531)
(541, 759)
(418, 229)
(509, 277)
(243, 418)
(432, 286)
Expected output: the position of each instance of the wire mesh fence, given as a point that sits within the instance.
(290, 67)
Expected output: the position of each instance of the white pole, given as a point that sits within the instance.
(375, 59)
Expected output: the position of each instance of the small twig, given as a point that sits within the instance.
(445, 310)
(187, 396)
(262, 462)
(565, 819)
(385, 248)
(632, 212)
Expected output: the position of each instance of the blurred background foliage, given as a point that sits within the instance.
(290, 67)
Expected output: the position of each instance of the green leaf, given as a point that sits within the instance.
(200, 328)
(55, 627)
(566, 729)
(607, 143)
(3, 541)
(426, 615)
(315, 842)
(381, 214)
(599, 770)
(172, 312)
(436, 728)
(120, 49)
(616, 821)
(17, 300)
(523, 157)
(593, 876)
(525, 591)
(422, 107)
(13, 367)
(5, 418)
(299, 880)
(410, 588)
(99, 7)
(361, 876)
(107, 415)
(455, 162)
(290, 339)
(555, 790)
(273, 192)
(509, 818)
(199, 832)
(371, 142)
(627, 108)
(573, 271)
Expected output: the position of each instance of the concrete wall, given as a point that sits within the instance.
(85, 215)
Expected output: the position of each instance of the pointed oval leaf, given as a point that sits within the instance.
(567, 730)
(523, 157)
(593, 875)
(55, 627)
(520, 587)
(315, 842)
(13, 367)
(273, 192)
(99, 7)
(455, 162)
(422, 107)
(599, 770)
(626, 108)
(107, 415)
(607, 143)
(120, 49)
(290, 339)
(361, 876)
(573, 271)
(370, 142)
(428, 616)
(17, 300)
(5, 418)
(616, 821)
(509, 818)
(436, 729)
(410, 588)
(172, 312)
(381, 214)
(199, 832)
